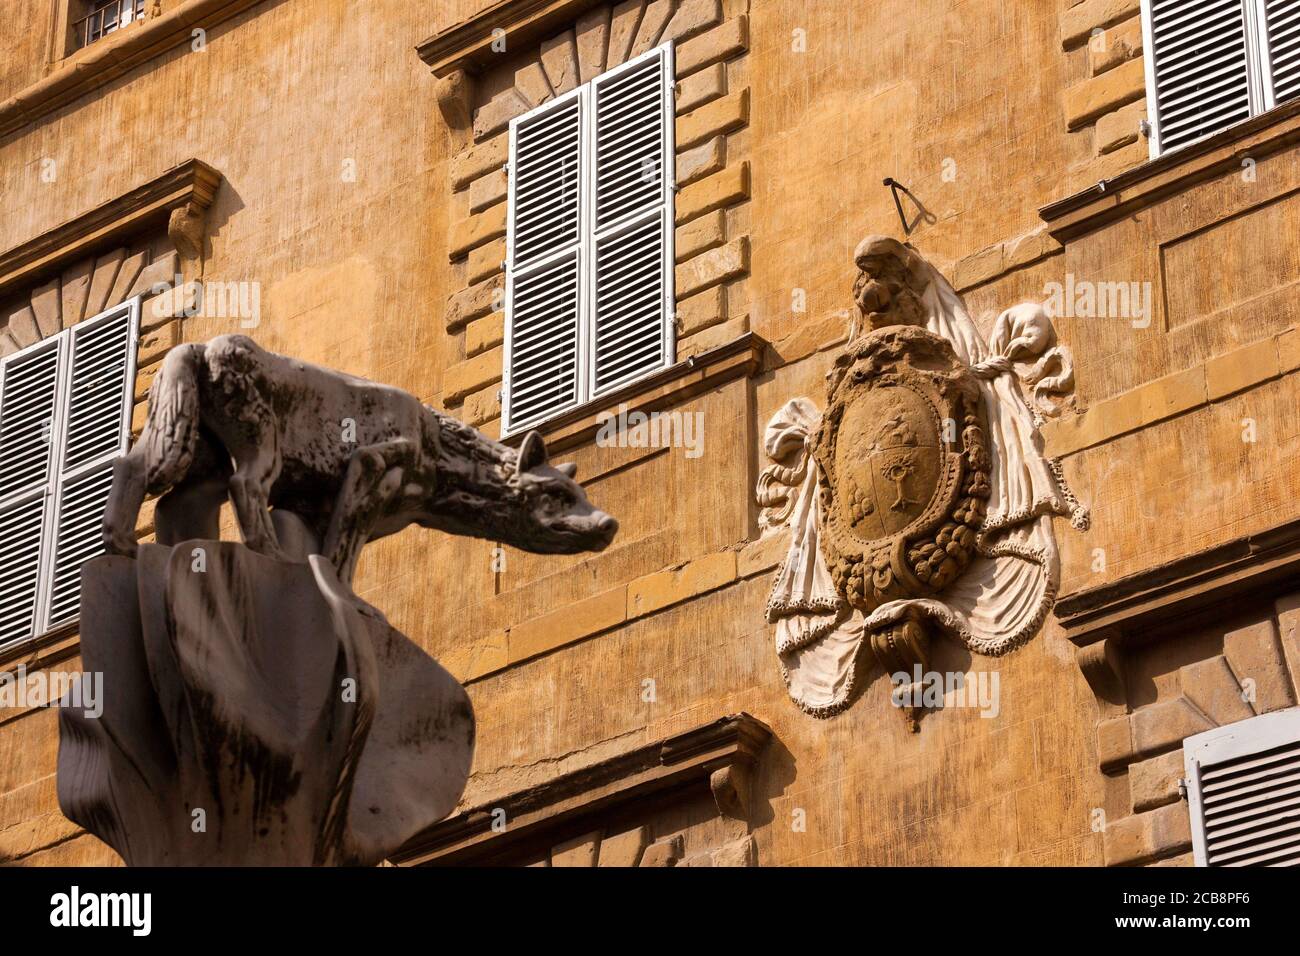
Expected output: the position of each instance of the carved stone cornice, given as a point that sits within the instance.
(1261, 564)
(179, 198)
(1136, 189)
(112, 57)
(718, 757)
(468, 45)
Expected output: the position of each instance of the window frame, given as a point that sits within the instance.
(58, 476)
(589, 236)
(1230, 742)
(1259, 73)
(78, 27)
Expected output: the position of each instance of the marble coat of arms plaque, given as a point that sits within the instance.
(919, 503)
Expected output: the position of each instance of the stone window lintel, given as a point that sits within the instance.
(1264, 564)
(180, 197)
(467, 46)
(719, 755)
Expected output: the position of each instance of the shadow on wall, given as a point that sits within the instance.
(779, 772)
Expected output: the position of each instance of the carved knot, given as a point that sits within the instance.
(992, 367)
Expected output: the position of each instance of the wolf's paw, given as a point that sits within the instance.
(117, 543)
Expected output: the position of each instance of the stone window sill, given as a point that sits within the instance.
(44, 650)
(1174, 172)
(740, 358)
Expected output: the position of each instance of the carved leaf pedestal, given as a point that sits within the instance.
(255, 712)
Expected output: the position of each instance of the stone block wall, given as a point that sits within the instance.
(373, 222)
(1107, 100)
(1177, 685)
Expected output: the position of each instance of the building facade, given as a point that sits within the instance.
(538, 214)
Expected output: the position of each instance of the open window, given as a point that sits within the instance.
(92, 20)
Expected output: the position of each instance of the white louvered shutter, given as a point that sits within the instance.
(96, 430)
(1281, 20)
(1200, 74)
(1243, 783)
(78, 539)
(545, 260)
(589, 241)
(632, 325)
(28, 395)
(65, 414)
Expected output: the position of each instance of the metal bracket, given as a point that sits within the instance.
(922, 214)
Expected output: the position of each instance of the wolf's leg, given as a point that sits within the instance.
(124, 502)
(164, 452)
(348, 550)
(352, 510)
(250, 494)
(373, 479)
(192, 509)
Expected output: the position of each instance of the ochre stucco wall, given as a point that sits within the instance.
(963, 103)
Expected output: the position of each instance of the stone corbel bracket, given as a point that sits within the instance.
(1106, 621)
(179, 197)
(185, 228)
(721, 756)
(455, 94)
(1102, 664)
(456, 55)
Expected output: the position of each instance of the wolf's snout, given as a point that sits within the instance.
(606, 526)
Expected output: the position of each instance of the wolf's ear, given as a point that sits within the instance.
(569, 469)
(532, 452)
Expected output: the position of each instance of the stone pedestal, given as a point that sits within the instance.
(255, 711)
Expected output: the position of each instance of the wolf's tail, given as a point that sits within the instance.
(172, 428)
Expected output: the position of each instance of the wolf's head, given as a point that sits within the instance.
(553, 515)
(486, 489)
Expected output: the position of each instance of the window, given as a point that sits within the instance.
(103, 17)
(589, 296)
(1243, 792)
(65, 414)
(1216, 63)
